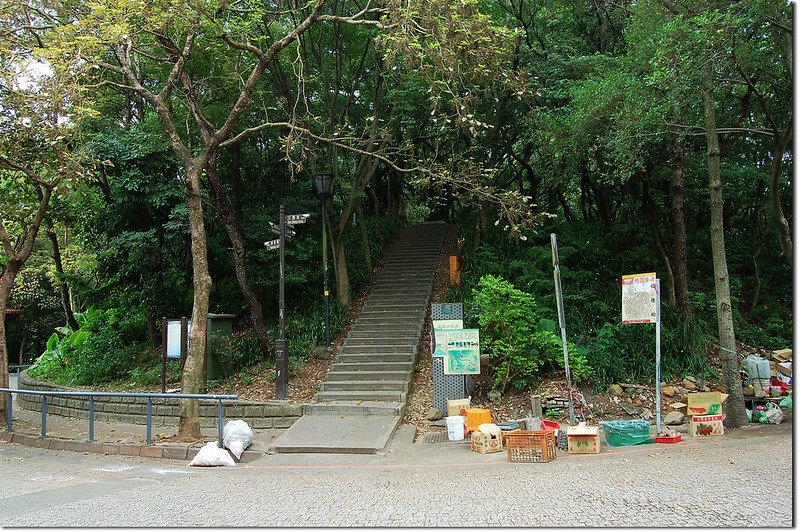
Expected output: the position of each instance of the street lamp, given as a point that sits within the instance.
(324, 185)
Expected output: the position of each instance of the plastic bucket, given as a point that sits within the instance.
(455, 427)
(551, 425)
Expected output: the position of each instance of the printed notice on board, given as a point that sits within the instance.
(639, 298)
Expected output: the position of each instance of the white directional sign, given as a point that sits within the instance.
(273, 244)
(294, 219)
(277, 230)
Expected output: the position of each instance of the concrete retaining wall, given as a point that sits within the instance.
(270, 415)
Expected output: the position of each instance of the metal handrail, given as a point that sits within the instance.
(92, 395)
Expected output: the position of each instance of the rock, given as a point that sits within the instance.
(637, 402)
(495, 396)
(684, 428)
(615, 389)
(706, 389)
(674, 418)
(688, 384)
(322, 353)
(691, 378)
(669, 391)
(434, 414)
(647, 414)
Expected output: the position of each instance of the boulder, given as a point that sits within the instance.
(615, 389)
(691, 378)
(495, 396)
(689, 385)
(434, 414)
(668, 391)
(674, 418)
(322, 353)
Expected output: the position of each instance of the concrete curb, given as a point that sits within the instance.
(169, 452)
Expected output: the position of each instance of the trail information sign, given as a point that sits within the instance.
(639, 298)
(462, 352)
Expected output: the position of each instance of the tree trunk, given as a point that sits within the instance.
(679, 229)
(784, 233)
(192, 376)
(239, 259)
(364, 236)
(736, 415)
(6, 284)
(66, 304)
(342, 277)
(650, 215)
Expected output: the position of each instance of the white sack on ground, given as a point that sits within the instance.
(237, 436)
(211, 455)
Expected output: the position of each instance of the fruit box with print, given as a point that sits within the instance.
(486, 443)
(583, 439)
(705, 410)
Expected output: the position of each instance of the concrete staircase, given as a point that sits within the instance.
(363, 396)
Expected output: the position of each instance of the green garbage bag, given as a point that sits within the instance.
(786, 402)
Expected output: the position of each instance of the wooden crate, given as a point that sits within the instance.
(531, 446)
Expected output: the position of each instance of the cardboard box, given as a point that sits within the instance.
(785, 368)
(486, 443)
(455, 406)
(782, 355)
(773, 368)
(583, 439)
(705, 403)
(706, 426)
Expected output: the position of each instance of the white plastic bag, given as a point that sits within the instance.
(211, 455)
(237, 436)
(774, 414)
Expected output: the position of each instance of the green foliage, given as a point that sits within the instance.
(519, 343)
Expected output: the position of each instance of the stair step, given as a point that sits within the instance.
(379, 340)
(381, 334)
(340, 375)
(410, 349)
(361, 395)
(377, 312)
(394, 386)
(367, 408)
(358, 358)
(370, 367)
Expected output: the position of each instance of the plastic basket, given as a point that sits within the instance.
(531, 446)
(626, 432)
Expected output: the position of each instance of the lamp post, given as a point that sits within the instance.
(324, 185)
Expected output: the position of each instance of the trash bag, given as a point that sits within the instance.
(786, 402)
(211, 455)
(237, 436)
(774, 414)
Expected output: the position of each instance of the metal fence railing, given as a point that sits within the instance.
(92, 395)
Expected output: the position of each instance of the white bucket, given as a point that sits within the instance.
(455, 427)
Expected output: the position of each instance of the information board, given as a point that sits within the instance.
(440, 340)
(174, 337)
(639, 298)
(462, 352)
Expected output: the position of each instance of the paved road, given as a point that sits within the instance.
(709, 482)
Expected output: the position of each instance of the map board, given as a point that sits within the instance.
(639, 298)
(462, 352)
(174, 337)
(439, 328)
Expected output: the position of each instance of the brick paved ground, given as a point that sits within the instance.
(709, 482)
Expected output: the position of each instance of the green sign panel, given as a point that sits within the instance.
(462, 351)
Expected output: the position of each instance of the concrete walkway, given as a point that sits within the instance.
(363, 397)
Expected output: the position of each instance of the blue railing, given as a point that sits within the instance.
(92, 395)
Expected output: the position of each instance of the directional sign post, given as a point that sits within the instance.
(281, 345)
(562, 323)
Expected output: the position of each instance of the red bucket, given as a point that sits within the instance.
(551, 425)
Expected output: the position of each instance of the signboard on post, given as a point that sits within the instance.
(440, 328)
(639, 298)
(462, 352)
(641, 303)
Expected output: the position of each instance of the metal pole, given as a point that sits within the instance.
(91, 419)
(219, 422)
(658, 355)
(281, 369)
(44, 416)
(325, 293)
(164, 355)
(149, 414)
(562, 322)
(10, 413)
